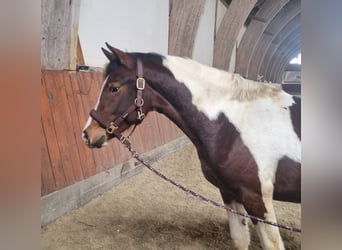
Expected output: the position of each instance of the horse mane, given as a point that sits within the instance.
(232, 84)
(242, 89)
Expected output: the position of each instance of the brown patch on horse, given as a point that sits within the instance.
(288, 181)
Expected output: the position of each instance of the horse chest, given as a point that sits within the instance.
(228, 164)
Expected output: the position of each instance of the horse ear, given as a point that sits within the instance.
(125, 58)
(108, 54)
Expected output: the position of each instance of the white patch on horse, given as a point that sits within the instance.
(263, 121)
(259, 111)
(239, 229)
(90, 119)
(254, 108)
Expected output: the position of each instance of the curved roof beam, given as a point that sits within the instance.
(228, 31)
(284, 16)
(279, 56)
(284, 48)
(185, 16)
(284, 61)
(274, 45)
(255, 29)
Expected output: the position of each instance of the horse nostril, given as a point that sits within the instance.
(99, 143)
(85, 136)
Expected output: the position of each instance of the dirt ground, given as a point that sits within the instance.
(146, 212)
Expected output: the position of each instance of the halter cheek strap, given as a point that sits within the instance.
(112, 126)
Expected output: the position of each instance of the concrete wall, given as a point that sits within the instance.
(131, 25)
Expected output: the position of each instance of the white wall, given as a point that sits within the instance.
(203, 50)
(233, 57)
(132, 25)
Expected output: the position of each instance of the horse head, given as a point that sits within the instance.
(123, 100)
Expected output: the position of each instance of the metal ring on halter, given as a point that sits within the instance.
(139, 102)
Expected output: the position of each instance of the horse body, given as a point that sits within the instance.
(247, 134)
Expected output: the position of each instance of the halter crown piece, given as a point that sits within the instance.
(112, 126)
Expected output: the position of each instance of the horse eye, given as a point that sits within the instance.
(113, 89)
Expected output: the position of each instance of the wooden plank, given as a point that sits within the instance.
(47, 177)
(146, 133)
(153, 128)
(160, 128)
(75, 130)
(61, 122)
(166, 129)
(50, 132)
(86, 154)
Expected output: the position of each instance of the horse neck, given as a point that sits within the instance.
(162, 105)
(174, 100)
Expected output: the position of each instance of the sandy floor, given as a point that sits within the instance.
(146, 212)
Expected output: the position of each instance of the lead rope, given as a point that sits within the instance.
(201, 197)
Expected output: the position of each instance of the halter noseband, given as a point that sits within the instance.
(111, 127)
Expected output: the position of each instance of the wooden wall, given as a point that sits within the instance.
(66, 99)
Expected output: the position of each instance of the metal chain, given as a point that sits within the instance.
(201, 197)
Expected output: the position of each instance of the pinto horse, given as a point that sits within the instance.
(247, 133)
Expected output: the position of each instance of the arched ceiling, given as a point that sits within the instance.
(271, 39)
(272, 35)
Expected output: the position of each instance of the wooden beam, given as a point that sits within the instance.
(183, 25)
(59, 34)
(228, 31)
(80, 57)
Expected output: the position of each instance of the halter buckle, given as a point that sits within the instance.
(111, 128)
(140, 83)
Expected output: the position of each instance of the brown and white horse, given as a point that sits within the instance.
(247, 134)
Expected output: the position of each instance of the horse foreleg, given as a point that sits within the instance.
(238, 225)
(269, 235)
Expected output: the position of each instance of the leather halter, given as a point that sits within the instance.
(112, 126)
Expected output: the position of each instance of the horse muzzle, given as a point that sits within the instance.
(94, 140)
